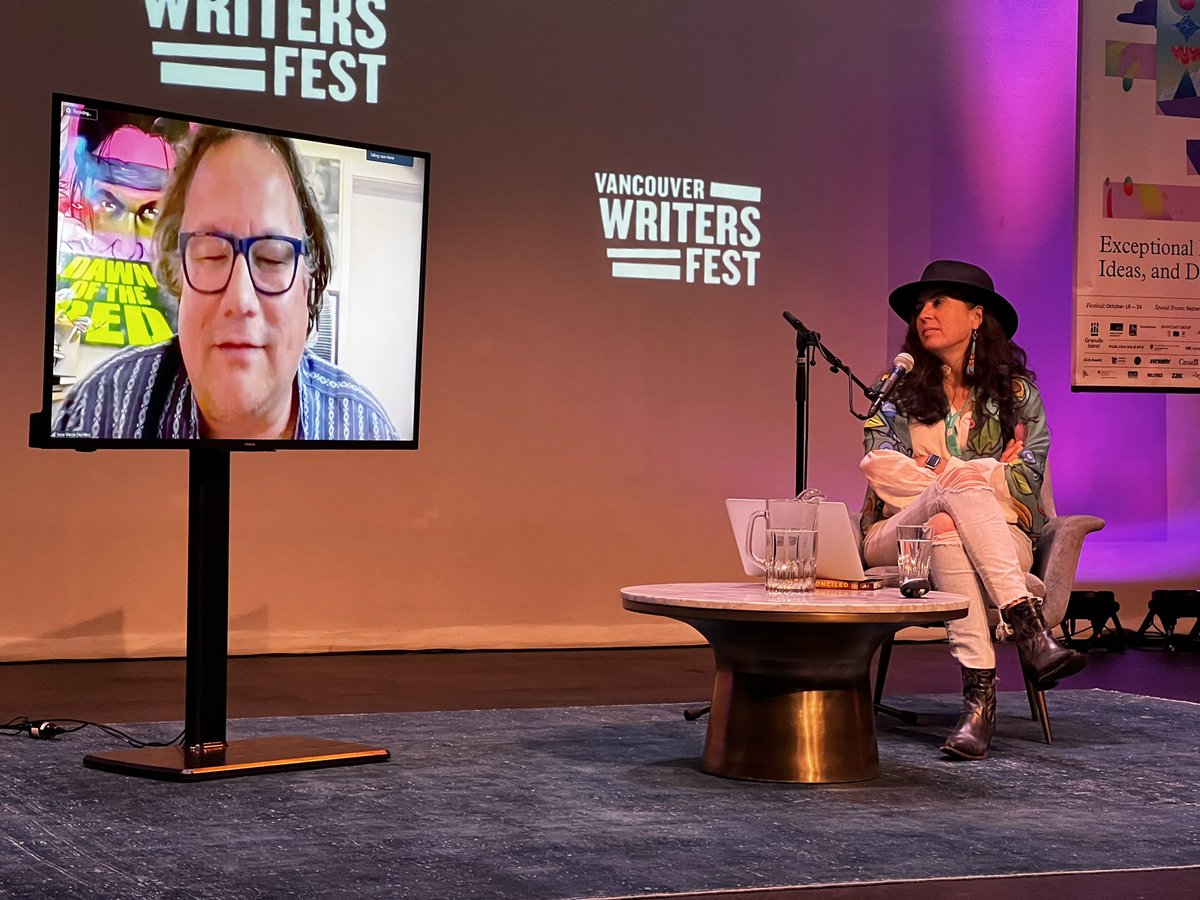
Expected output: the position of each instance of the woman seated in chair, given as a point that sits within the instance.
(961, 446)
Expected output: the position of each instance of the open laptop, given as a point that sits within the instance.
(837, 550)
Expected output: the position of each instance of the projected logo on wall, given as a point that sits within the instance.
(671, 228)
(232, 46)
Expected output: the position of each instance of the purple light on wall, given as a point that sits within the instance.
(1011, 84)
(1003, 151)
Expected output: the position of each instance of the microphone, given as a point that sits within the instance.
(793, 321)
(901, 366)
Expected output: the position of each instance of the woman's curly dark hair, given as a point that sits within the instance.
(998, 360)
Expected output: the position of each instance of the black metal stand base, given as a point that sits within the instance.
(1100, 610)
(255, 756)
(205, 754)
(1169, 606)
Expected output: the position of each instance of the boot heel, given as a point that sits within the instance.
(1044, 660)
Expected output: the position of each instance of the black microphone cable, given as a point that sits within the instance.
(48, 729)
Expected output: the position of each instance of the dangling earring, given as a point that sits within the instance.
(971, 353)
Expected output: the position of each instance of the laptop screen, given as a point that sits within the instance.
(837, 550)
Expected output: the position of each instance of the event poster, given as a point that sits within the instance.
(1137, 259)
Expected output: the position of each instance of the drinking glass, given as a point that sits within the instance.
(916, 547)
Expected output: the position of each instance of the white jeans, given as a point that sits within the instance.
(984, 557)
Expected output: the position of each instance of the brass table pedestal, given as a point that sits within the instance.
(792, 699)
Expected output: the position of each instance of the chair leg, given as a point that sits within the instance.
(885, 657)
(1030, 690)
(881, 670)
(1037, 703)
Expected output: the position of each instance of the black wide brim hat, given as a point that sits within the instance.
(958, 279)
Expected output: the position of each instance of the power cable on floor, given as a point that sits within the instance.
(48, 729)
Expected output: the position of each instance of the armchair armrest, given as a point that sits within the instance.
(1056, 558)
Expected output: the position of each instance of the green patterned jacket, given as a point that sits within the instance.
(1024, 476)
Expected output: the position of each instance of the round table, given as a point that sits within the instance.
(792, 698)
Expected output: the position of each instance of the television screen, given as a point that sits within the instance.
(217, 284)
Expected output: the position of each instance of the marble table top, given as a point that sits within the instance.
(753, 597)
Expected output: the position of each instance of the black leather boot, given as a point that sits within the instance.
(1043, 659)
(972, 735)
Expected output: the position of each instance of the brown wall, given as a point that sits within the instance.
(578, 432)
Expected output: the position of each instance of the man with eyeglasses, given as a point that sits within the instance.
(241, 243)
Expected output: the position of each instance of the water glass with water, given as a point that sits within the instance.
(916, 549)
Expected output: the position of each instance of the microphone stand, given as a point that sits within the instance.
(808, 342)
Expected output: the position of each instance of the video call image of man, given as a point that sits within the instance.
(240, 241)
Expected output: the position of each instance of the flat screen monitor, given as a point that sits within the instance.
(215, 284)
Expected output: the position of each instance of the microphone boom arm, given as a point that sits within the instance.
(806, 338)
(807, 342)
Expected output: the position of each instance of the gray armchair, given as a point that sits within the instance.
(1054, 562)
(1057, 557)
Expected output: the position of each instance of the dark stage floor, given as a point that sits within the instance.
(152, 690)
(117, 691)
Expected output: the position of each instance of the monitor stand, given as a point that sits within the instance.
(205, 754)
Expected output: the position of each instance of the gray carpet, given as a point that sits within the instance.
(604, 801)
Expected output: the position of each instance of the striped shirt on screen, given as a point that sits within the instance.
(144, 392)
